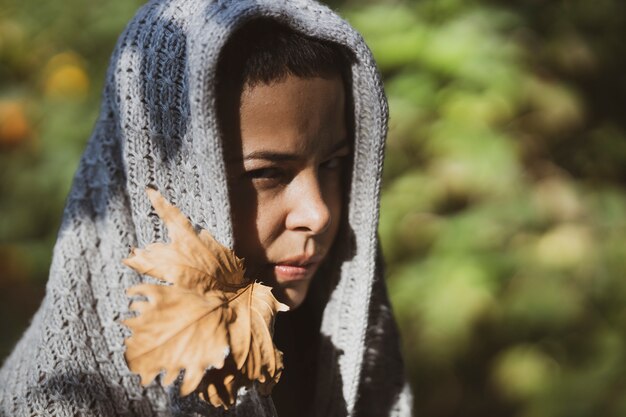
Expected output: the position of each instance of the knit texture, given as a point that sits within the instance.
(157, 127)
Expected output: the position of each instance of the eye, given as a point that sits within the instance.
(333, 163)
(265, 173)
(268, 178)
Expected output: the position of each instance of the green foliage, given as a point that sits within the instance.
(52, 61)
(502, 212)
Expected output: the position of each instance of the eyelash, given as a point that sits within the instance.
(333, 163)
(278, 175)
(265, 173)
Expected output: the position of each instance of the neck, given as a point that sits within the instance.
(297, 336)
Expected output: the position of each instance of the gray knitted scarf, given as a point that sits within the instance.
(157, 127)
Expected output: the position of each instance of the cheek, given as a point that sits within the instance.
(243, 206)
(333, 197)
(269, 217)
(256, 218)
(244, 212)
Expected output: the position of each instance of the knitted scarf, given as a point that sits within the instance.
(157, 127)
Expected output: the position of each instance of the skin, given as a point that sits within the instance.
(285, 166)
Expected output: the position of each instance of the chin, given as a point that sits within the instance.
(293, 296)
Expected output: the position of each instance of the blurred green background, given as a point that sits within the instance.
(503, 208)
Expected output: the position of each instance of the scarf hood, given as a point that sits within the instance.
(158, 127)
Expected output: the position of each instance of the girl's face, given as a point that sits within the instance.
(285, 178)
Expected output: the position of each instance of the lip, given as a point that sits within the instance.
(296, 268)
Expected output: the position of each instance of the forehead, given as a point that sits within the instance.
(306, 116)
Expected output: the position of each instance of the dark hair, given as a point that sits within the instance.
(263, 51)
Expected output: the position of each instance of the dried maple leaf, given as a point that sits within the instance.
(211, 321)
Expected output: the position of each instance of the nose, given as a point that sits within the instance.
(308, 211)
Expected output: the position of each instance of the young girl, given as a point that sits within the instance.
(264, 122)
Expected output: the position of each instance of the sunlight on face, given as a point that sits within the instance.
(285, 179)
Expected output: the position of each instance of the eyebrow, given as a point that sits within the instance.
(283, 156)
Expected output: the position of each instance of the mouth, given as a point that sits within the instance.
(299, 268)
